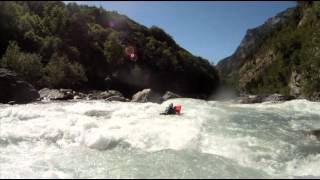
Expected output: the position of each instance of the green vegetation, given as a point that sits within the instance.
(26, 64)
(52, 44)
(296, 46)
(60, 72)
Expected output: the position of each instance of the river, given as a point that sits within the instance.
(98, 139)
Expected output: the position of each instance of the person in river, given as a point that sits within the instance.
(172, 110)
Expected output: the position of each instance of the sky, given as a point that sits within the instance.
(212, 30)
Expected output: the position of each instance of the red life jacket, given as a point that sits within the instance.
(177, 108)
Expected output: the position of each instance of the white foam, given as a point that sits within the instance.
(307, 166)
(301, 106)
(54, 174)
(207, 127)
(137, 124)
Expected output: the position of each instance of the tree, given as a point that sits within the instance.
(60, 72)
(26, 64)
(113, 53)
(55, 17)
(161, 35)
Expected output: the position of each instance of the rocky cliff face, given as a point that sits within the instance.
(250, 70)
(295, 84)
(229, 67)
(279, 56)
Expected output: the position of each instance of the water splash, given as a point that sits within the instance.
(113, 139)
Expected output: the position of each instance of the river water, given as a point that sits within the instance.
(98, 139)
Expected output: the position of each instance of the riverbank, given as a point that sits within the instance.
(148, 95)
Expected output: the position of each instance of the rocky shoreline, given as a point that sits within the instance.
(146, 95)
(16, 91)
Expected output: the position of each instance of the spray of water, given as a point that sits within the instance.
(97, 139)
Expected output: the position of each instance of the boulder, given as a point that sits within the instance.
(68, 93)
(14, 89)
(277, 98)
(104, 95)
(146, 95)
(77, 97)
(113, 95)
(117, 98)
(170, 95)
(98, 95)
(55, 94)
(89, 96)
(94, 95)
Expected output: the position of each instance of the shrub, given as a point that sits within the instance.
(60, 72)
(26, 64)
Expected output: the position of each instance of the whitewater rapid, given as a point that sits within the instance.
(98, 139)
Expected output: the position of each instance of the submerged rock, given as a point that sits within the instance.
(13, 89)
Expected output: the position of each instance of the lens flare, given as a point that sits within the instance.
(130, 52)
